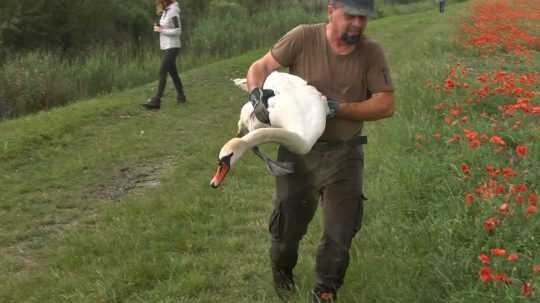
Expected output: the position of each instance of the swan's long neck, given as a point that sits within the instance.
(290, 140)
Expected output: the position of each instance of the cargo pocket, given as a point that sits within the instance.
(274, 224)
(360, 213)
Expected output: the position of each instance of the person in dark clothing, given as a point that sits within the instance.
(169, 29)
(442, 4)
(350, 69)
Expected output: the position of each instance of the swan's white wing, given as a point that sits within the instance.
(299, 108)
(296, 107)
(248, 121)
(278, 81)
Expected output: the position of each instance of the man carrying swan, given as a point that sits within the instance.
(351, 70)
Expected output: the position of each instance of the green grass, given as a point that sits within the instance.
(77, 226)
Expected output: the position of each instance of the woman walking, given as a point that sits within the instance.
(169, 29)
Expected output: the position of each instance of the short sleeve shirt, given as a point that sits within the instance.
(344, 78)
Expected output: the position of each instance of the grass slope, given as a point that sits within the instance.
(82, 222)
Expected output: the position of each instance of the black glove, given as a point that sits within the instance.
(259, 99)
(333, 107)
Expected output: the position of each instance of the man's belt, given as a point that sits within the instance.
(328, 145)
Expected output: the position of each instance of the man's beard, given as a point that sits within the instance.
(351, 39)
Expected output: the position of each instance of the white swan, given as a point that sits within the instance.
(297, 119)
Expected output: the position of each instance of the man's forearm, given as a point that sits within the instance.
(256, 75)
(379, 106)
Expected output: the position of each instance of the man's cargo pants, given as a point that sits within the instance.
(333, 178)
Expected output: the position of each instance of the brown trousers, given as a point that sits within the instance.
(333, 179)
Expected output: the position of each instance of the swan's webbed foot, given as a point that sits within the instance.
(275, 168)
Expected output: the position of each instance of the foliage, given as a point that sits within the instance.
(77, 225)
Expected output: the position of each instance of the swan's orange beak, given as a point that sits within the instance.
(221, 172)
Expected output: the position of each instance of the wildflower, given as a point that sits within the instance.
(513, 258)
(503, 209)
(508, 172)
(499, 252)
(474, 144)
(526, 289)
(497, 140)
(455, 138)
(502, 277)
(519, 199)
(531, 209)
(449, 84)
(469, 199)
(489, 224)
(484, 259)
(485, 274)
(469, 134)
(521, 150)
(483, 78)
(533, 200)
(518, 188)
(465, 168)
(439, 107)
(536, 268)
(492, 171)
(454, 111)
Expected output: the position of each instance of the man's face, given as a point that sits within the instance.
(349, 28)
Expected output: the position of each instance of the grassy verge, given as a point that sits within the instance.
(84, 219)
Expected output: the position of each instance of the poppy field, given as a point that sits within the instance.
(488, 118)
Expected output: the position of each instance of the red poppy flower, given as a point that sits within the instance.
(465, 168)
(485, 274)
(489, 224)
(469, 199)
(508, 172)
(499, 252)
(526, 289)
(474, 144)
(502, 277)
(531, 209)
(533, 200)
(484, 259)
(519, 188)
(521, 150)
(513, 258)
(503, 209)
(497, 140)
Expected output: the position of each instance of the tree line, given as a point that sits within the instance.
(69, 26)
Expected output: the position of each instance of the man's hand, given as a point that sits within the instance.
(333, 107)
(259, 99)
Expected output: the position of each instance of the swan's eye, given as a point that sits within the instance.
(225, 159)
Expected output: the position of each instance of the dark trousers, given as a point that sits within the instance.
(333, 179)
(441, 6)
(168, 66)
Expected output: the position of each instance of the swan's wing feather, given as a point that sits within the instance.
(301, 110)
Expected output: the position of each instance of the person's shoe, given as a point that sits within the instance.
(283, 284)
(324, 297)
(181, 98)
(152, 103)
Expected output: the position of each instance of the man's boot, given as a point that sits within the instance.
(152, 103)
(283, 283)
(181, 98)
(324, 297)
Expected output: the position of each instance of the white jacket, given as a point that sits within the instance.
(171, 27)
